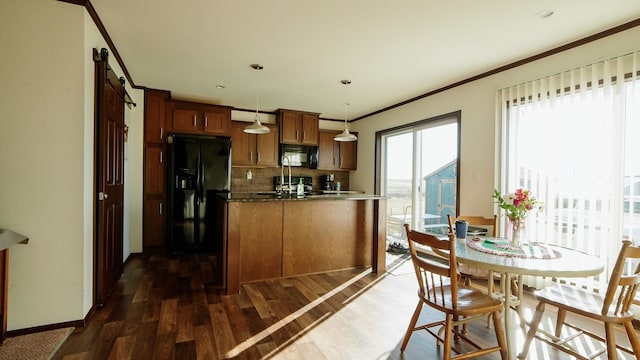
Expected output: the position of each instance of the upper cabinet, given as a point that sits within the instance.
(336, 155)
(251, 149)
(196, 118)
(154, 126)
(298, 127)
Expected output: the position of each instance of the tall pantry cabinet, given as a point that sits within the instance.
(155, 133)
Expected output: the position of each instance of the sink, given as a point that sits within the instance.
(268, 193)
(340, 192)
(275, 194)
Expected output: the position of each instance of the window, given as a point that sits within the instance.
(418, 174)
(572, 139)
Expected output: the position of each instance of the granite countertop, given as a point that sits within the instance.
(316, 195)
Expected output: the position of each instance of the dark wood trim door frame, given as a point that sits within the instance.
(108, 178)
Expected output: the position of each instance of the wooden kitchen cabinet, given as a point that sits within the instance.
(154, 158)
(298, 127)
(196, 118)
(254, 150)
(260, 240)
(154, 196)
(155, 131)
(336, 155)
(291, 237)
(154, 224)
(154, 126)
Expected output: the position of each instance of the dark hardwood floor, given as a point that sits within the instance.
(167, 308)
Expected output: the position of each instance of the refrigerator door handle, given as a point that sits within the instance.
(200, 179)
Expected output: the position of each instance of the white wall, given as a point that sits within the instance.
(46, 159)
(42, 159)
(478, 171)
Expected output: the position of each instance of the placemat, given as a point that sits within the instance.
(502, 247)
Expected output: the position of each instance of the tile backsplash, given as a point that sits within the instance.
(262, 178)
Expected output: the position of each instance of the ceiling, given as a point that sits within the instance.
(391, 51)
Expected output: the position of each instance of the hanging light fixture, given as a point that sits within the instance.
(345, 135)
(256, 127)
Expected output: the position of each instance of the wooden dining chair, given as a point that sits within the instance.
(476, 221)
(440, 289)
(611, 309)
(473, 272)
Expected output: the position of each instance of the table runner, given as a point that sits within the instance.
(502, 247)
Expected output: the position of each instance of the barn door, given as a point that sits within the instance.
(109, 168)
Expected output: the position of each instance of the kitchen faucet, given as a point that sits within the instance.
(289, 188)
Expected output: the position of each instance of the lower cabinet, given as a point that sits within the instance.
(260, 235)
(326, 235)
(154, 220)
(274, 239)
(154, 195)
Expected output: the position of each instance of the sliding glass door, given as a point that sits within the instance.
(418, 174)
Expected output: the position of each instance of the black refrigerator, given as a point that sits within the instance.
(199, 169)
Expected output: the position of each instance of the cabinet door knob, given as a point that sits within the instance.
(206, 121)
(195, 122)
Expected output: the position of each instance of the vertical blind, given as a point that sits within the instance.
(573, 139)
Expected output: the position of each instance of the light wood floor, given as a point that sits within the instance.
(164, 308)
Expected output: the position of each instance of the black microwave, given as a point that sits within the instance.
(299, 155)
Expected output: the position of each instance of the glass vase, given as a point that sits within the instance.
(516, 232)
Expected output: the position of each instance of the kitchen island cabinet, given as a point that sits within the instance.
(269, 237)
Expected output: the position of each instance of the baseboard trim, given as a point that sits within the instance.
(37, 329)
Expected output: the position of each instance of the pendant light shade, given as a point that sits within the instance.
(256, 127)
(345, 135)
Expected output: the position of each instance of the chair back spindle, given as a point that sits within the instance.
(622, 287)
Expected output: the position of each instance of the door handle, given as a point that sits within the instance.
(102, 196)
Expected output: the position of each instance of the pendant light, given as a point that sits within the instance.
(256, 127)
(345, 135)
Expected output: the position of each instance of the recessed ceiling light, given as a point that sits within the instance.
(544, 14)
(220, 86)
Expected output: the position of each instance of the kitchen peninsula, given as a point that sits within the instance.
(270, 235)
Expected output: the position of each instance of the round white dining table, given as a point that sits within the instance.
(565, 263)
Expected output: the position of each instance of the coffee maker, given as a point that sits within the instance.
(327, 182)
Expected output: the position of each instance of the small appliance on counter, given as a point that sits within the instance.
(327, 182)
